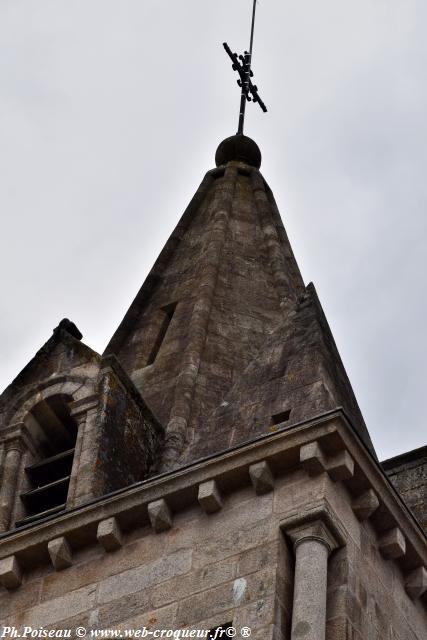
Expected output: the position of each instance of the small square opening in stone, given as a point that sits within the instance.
(283, 416)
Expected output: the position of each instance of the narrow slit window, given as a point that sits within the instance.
(283, 416)
(168, 312)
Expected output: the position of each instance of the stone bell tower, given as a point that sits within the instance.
(212, 468)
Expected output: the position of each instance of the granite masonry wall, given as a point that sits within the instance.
(235, 565)
(408, 473)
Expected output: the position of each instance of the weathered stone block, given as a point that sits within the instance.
(340, 628)
(109, 534)
(209, 497)
(392, 544)
(239, 538)
(193, 582)
(16, 601)
(124, 608)
(312, 458)
(10, 573)
(60, 553)
(416, 583)
(256, 614)
(61, 608)
(208, 602)
(135, 430)
(145, 576)
(156, 619)
(258, 557)
(340, 467)
(261, 477)
(365, 505)
(160, 515)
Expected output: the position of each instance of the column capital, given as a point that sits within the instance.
(80, 407)
(319, 524)
(17, 437)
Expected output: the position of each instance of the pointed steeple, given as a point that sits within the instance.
(224, 341)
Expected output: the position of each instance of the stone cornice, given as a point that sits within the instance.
(345, 459)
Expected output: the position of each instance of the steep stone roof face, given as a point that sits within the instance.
(224, 341)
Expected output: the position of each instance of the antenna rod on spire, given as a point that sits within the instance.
(247, 62)
(252, 29)
(244, 70)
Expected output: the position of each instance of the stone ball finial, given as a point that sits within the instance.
(238, 147)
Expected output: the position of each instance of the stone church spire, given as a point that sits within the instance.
(224, 341)
(211, 473)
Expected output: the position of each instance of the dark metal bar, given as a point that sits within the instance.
(237, 66)
(234, 59)
(247, 68)
(256, 98)
(252, 29)
(245, 91)
(245, 72)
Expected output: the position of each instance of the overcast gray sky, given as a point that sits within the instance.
(111, 112)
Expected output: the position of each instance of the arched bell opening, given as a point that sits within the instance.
(53, 431)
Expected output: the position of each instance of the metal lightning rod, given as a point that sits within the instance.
(247, 65)
(243, 65)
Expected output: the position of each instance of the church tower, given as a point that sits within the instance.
(211, 470)
(210, 474)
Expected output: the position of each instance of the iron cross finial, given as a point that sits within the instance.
(242, 64)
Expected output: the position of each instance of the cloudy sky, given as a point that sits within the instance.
(110, 114)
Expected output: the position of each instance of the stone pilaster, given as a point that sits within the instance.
(2, 456)
(84, 412)
(314, 536)
(15, 445)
